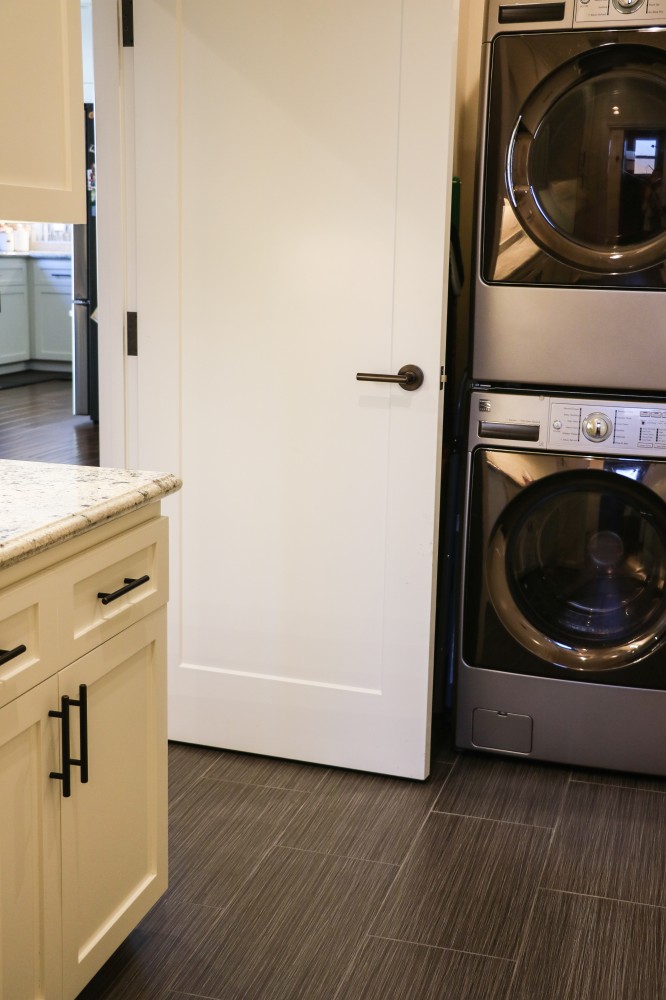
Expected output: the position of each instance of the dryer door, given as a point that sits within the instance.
(582, 175)
(586, 161)
(576, 567)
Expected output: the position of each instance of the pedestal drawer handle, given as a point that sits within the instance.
(64, 775)
(67, 760)
(8, 654)
(130, 584)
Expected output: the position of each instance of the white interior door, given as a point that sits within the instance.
(293, 179)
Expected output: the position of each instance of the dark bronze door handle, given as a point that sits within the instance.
(409, 377)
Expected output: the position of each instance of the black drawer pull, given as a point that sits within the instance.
(130, 584)
(67, 760)
(8, 654)
(64, 775)
(82, 705)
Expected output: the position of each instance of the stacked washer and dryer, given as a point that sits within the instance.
(562, 626)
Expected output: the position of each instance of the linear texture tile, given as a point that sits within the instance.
(292, 933)
(186, 765)
(585, 948)
(144, 965)
(250, 769)
(218, 832)
(511, 790)
(364, 815)
(611, 842)
(468, 884)
(393, 970)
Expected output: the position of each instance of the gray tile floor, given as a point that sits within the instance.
(494, 880)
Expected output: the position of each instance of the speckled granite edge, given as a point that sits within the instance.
(24, 541)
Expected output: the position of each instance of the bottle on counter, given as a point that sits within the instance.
(21, 239)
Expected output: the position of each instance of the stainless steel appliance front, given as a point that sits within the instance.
(572, 209)
(562, 652)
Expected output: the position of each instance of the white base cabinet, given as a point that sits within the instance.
(14, 311)
(51, 309)
(81, 865)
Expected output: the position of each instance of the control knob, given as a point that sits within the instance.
(626, 6)
(597, 427)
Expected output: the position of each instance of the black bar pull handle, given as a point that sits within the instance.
(8, 654)
(65, 774)
(409, 377)
(130, 584)
(82, 704)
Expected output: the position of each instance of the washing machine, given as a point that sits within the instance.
(562, 627)
(571, 217)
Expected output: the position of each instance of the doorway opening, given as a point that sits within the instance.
(49, 407)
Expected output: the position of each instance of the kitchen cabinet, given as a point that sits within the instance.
(82, 676)
(51, 309)
(30, 900)
(14, 311)
(43, 161)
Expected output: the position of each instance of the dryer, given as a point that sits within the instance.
(571, 219)
(562, 626)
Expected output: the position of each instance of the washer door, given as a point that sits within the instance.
(576, 570)
(585, 164)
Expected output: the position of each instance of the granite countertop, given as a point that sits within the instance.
(43, 504)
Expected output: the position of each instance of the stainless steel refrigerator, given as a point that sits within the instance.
(84, 281)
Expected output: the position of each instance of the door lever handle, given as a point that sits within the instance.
(409, 377)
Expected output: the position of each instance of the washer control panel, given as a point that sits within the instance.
(567, 424)
(619, 13)
(505, 16)
(616, 427)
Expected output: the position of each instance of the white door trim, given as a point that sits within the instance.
(113, 166)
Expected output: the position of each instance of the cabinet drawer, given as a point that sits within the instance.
(28, 617)
(13, 271)
(111, 586)
(52, 273)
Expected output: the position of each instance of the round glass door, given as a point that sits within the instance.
(577, 570)
(586, 168)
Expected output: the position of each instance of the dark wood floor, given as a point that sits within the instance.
(496, 879)
(36, 425)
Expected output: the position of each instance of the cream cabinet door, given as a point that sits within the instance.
(42, 168)
(114, 827)
(30, 957)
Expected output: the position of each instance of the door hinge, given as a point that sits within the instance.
(132, 335)
(127, 16)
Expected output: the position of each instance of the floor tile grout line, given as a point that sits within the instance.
(341, 857)
(613, 784)
(609, 899)
(365, 937)
(491, 819)
(256, 784)
(522, 945)
(439, 947)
